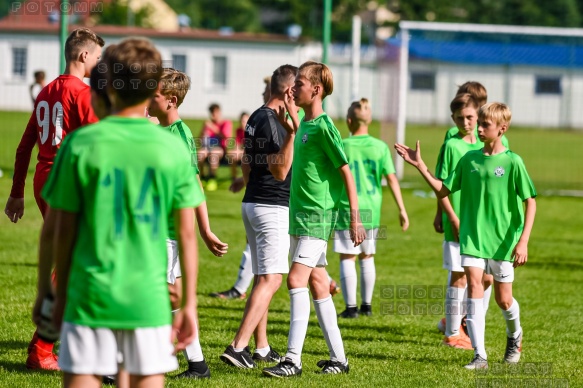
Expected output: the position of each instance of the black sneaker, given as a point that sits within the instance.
(330, 367)
(229, 294)
(477, 363)
(350, 312)
(241, 359)
(365, 309)
(272, 356)
(196, 370)
(285, 368)
(108, 380)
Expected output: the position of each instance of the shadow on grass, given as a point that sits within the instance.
(19, 264)
(13, 345)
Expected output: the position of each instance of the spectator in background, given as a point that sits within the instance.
(235, 152)
(38, 85)
(214, 136)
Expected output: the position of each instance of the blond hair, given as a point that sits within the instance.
(359, 111)
(497, 112)
(318, 74)
(174, 83)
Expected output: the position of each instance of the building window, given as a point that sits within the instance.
(220, 71)
(179, 62)
(19, 62)
(423, 81)
(547, 85)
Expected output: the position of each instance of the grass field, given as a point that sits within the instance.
(388, 349)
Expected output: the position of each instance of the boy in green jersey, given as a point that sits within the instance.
(115, 185)
(319, 172)
(164, 106)
(494, 227)
(464, 112)
(369, 160)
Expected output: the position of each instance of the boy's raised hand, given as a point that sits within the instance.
(413, 157)
(292, 110)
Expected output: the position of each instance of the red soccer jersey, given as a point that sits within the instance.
(61, 107)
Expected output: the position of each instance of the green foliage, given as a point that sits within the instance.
(116, 13)
(241, 15)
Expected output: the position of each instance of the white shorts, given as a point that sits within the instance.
(503, 271)
(344, 245)
(173, 269)
(452, 260)
(267, 233)
(103, 351)
(309, 251)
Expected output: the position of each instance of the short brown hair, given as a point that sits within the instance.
(360, 112)
(282, 76)
(498, 112)
(174, 83)
(134, 69)
(213, 107)
(318, 74)
(461, 101)
(476, 89)
(81, 38)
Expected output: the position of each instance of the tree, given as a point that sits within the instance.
(116, 13)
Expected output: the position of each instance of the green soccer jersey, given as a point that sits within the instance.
(180, 128)
(369, 159)
(453, 150)
(120, 179)
(316, 185)
(492, 190)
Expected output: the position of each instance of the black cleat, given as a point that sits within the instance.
(196, 370)
(108, 380)
(241, 359)
(229, 294)
(350, 312)
(365, 309)
(272, 356)
(330, 367)
(285, 368)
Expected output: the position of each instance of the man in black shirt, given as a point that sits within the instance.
(266, 168)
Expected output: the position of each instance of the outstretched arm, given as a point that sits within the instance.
(396, 191)
(413, 157)
(520, 252)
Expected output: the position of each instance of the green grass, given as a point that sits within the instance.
(384, 350)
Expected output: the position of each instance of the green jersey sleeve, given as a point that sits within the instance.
(524, 186)
(444, 162)
(332, 145)
(454, 181)
(62, 189)
(188, 192)
(387, 162)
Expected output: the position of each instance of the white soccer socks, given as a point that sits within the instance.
(454, 299)
(348, 282)
(487, 294)
(326, 313)
(300, 314)
(368, 276)
(476, 321)
(192, 352)
(512, 317)
(245, 276)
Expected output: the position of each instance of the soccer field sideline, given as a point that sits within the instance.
(386, 350)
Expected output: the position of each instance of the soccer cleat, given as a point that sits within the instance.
(513, 349)
(241, 359)
(365, 309)
(477, 363)
(272, 356)
(39, 358)
(458, 341)
(229, 294)
(334, 287)
(108, 380)
(441, 325)
(211, 185)
(330, 367)
(196, 370)
(285, 368)
(350, 312)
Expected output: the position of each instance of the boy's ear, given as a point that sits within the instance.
(173, 100)
(83, 56)
(503, 128)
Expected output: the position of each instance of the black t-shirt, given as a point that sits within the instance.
(264, 135)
